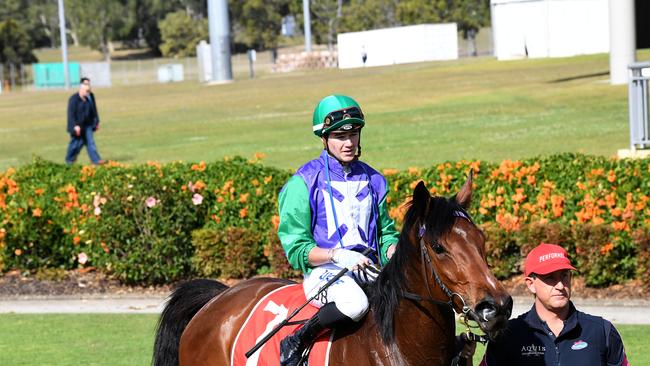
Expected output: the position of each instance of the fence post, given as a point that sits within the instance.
(638, 104)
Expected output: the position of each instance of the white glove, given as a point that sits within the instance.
(349, 258)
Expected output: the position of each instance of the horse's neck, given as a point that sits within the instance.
(424, 333)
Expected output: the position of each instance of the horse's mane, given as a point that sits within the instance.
(389, 287)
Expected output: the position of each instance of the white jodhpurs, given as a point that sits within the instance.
(345, 293)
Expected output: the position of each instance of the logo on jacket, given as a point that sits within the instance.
(351, 211)
(533, 350)
(579, 345)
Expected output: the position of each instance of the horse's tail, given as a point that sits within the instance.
(186, 300)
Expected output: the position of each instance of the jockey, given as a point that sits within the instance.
(331, 210)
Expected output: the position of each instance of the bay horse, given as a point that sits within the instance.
(439, 267)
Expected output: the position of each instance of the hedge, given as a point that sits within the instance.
(155, 223)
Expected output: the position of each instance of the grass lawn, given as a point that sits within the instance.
(119, 339)
(417, 114)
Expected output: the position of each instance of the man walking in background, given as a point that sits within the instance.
(83, 120)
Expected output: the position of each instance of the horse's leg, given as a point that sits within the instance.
(183, 303)
(208, 338)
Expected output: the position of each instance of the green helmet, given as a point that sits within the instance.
(336, 112)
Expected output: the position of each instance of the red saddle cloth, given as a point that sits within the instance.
(271, 310)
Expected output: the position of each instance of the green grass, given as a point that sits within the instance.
(120, 339)
(417, 114)
(78, 339)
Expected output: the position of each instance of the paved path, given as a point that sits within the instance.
(617, 311)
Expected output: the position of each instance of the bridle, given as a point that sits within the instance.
(466, 312)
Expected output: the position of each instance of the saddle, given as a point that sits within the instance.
(265, 316)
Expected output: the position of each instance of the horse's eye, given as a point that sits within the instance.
(439, 249)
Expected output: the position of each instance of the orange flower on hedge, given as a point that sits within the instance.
(581, 186)
(39, 191)
(268, 179)
(605, 249)
(12, 186)
(243, 198)
(255, 182)
(508, 221)
(615, 211)
(18, 252)
(476, 166)
(36, 212)
(154, 164)
(531, 180)
(259, 155)
(519, 195)
(216, 218)
(199, 167)
(199, 185)
(597, 220)
(611, 176)
(557, 205)
(104, 247)
(219, 199)
(483, 211)
(243, 212)
(275, 220)
(76, 240)
(388, 172)
(620, 226)
(414, 170)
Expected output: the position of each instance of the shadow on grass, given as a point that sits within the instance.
(578, 77)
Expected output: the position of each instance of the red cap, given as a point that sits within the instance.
(547, 258)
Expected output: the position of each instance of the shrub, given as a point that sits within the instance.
(136, 222)
(231, 253)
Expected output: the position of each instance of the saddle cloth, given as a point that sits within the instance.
(271, 310)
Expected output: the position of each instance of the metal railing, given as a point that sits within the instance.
(638, 100)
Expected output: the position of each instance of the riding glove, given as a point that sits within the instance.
(348, 258)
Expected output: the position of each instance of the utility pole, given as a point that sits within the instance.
(64, 45)
(219, 27)
(307, 25)
(622, 40)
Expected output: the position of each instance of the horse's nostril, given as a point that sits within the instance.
(486, 310)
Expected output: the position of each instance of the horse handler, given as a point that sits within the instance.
(553, 332)
(331, 210)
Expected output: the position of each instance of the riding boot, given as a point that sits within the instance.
(292, 347)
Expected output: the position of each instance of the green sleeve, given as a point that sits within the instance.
(389, 234)
(294, 229)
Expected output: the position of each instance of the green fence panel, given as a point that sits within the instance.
(51, 75)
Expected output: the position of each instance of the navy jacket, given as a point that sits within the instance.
(82, 113)
(585, 340)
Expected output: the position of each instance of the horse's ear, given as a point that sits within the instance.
(464, 196)
(421, 197)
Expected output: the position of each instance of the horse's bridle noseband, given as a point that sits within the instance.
(466, 311)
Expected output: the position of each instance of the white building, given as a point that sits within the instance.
(549, 28)
(416, 43)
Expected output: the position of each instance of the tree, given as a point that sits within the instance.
(418, 12)
(180, 34)
(360, 15)
(471, 16)
(260, 21)
(15, 45)
(97, 22)
(325, 19)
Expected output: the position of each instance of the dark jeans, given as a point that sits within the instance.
(77, 142)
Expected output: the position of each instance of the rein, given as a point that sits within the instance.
(466, 312)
